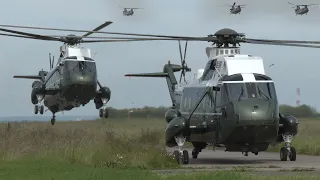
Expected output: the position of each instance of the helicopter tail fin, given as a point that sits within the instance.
(28, 77)
(168, 73)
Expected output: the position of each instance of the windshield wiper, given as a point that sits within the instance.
(262, 94)
(240, 93)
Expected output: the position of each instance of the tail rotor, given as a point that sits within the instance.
(51, 62)
(184, 66)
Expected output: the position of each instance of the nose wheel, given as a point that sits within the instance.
(38, 109)
(182, 156)
(103, 112)
(288, 150)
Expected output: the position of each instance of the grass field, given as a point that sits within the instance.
(113, 149)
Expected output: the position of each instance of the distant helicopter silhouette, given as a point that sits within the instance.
(301, 11)
(127, 12)
(235, 9)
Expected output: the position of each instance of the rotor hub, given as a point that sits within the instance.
(226, 37)
(71, 39)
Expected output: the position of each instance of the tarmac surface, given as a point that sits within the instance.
(265, 162)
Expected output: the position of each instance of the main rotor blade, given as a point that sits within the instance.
(281, 44)
(20, 36)
(98, 28)
(157, 74)
(36, 36)
(124, 40)
(292, 3)
(102, 32)
(309, 4)
(285, 41)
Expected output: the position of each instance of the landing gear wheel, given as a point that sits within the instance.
(177, 156)
(185, 156)
(53, 120)
(283, 154)
(41, 109)
(101, 113)
(106, 113)
(36, 109)
(292, 154)
(195, 153)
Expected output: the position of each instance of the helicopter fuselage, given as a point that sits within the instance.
(71, 83)
(128, 12)
(240, 112)
(231, 104)
(301, 11)
(75, 84)
(235, 10)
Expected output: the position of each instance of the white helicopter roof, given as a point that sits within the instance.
(229, 64)
(234, 64)
(80, 52)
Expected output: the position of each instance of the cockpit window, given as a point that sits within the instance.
(80, 65)
(240, 91)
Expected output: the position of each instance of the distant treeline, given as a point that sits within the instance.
(304, 111)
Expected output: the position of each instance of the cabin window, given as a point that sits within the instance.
(231, 51)
(221, 51)
(210, 69)
(226, 51)
(217, 52)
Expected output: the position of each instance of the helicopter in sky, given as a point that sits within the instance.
(128, 11)
(233, 103)
(72, 81)
(235, 9)
(301, 10)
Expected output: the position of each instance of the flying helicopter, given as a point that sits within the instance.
(128, 11)
(301, 11)
(235, 9)
(72, 81)
(233, 104)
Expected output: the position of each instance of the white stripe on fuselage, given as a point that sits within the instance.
(266, 81)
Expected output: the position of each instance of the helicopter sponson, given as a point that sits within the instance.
(104, 94)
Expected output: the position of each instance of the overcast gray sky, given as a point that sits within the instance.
(260, 19)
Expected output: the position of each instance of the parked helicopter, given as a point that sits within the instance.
(127, 12)
(233, 104)
(301, 11)
(73, 80)
(235, 9)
